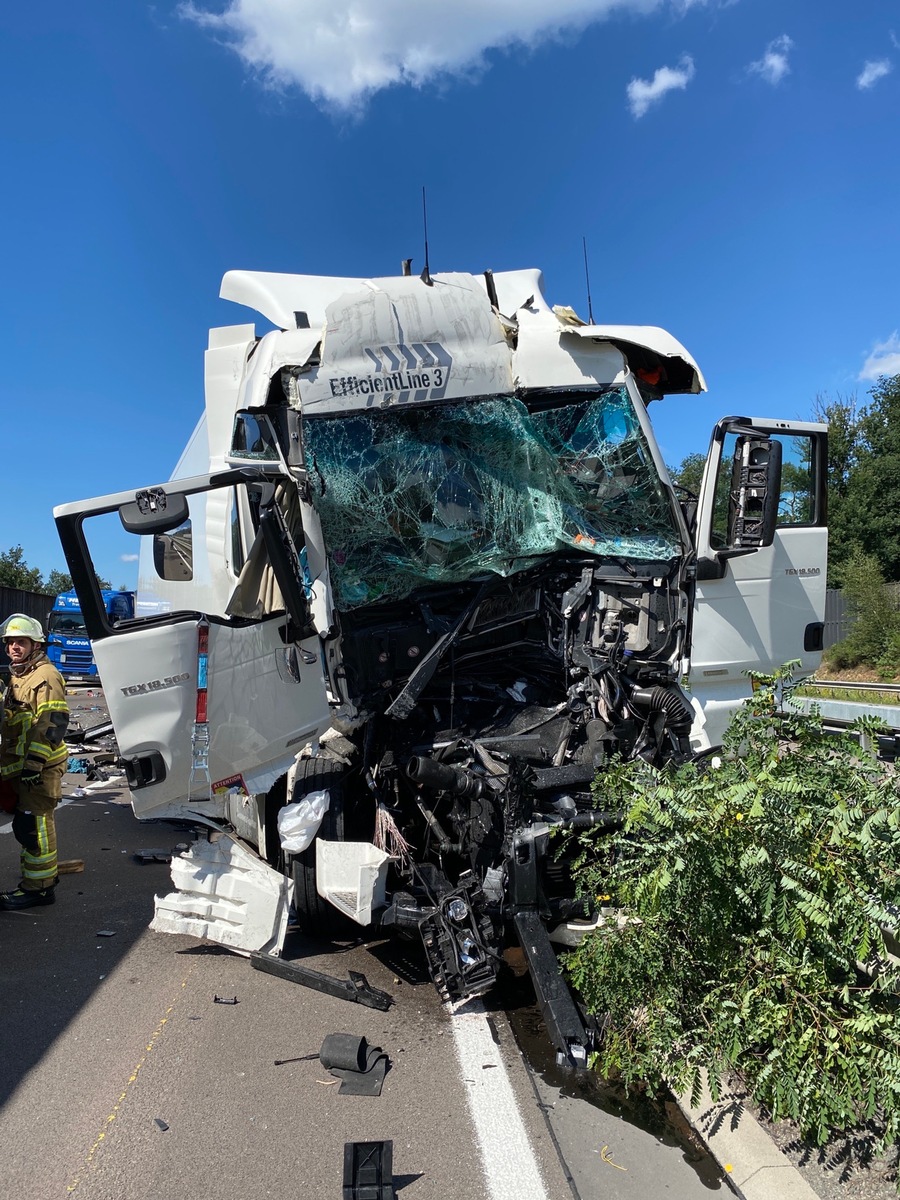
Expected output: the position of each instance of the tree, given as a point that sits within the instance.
(872, 499)
(842, 417)
(874, 639)
(690, 473)
(16, 573)
(61, 581)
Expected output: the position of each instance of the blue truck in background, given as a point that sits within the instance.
(68, 645)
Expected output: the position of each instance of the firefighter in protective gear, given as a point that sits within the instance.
(33, 757)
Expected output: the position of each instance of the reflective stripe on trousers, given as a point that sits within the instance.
(34, 828)
(36, 834)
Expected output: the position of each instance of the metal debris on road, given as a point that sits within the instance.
(225, 1000)
(161, 1124)
(357, 988)
(105, 933)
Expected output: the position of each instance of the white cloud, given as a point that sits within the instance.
(774, 65)
(344, 52)
(872, 72)
(130, 557)
(883, 360)
(644, 92)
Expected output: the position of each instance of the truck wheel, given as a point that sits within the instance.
(315, 915)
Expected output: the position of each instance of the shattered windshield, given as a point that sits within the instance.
(457, 491)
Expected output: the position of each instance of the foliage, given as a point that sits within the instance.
(689, 475)
(15, 572)
(754, 887)
(875, 636)
(864, 477)
(59, 581)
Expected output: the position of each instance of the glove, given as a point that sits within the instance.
(30, 779)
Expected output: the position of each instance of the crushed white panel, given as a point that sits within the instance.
(227, 895)
(367, 360)
(646, 337)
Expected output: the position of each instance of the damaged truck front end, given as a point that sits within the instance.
(419, 576)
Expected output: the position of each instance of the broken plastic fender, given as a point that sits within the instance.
(226, 895)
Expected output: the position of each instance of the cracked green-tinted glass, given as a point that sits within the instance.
(454, 492)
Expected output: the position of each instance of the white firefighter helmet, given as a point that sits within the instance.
(21, 625)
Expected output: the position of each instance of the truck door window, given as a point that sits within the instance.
(797, 498)
(253, 440)
(796, 503)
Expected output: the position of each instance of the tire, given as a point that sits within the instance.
(315, 915)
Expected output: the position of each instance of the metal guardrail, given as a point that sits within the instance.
(886, 689)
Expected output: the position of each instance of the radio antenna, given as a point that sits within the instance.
(587, 280)
(426, 273)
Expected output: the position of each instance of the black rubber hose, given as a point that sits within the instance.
(670, 701)
(441, 778)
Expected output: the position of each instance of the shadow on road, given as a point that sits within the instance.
(55, 958)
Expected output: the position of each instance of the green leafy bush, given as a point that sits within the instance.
(874, 639)
(755, 887)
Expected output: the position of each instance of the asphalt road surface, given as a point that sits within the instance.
(121, 1078)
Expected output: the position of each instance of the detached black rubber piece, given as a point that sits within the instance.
(368, 1171)
(360, 1067)
(356, 988)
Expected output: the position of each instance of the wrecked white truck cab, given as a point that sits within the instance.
(422, 562)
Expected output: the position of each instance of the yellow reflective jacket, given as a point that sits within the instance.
(35, 719)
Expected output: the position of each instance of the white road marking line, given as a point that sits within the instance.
(510, 1167)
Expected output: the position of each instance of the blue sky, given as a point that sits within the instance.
(733, 164)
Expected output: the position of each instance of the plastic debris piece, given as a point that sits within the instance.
(368, 1171)
(225, 1000)
(360, 1067)
(106, 933)
(154, 855)
(77, 766)
(79, 791)
(161, 1124)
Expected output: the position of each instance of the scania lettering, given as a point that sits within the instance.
(445, 613)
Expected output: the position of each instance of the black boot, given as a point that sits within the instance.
(23, 899)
